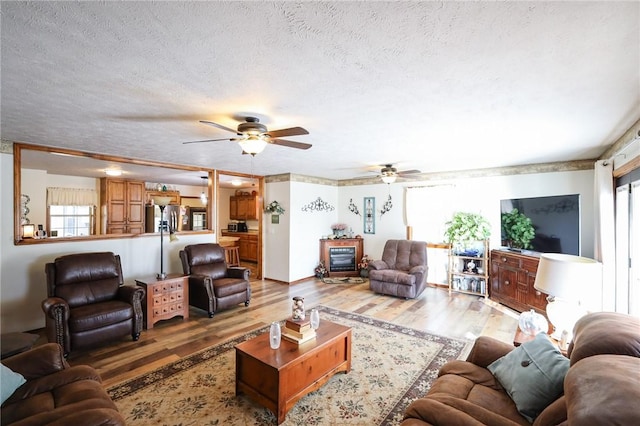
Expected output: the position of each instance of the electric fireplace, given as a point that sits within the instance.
(341, 256)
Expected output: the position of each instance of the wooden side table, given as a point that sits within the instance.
(165, 299)
(520, 337)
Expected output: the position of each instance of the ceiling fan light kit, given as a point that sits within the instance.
(388, 179)
(253, 144)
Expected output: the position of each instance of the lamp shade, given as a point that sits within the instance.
(162, 201)
(566, 276)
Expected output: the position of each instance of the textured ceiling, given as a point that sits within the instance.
(426, 85)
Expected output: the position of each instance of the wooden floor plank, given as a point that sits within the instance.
(458, 315)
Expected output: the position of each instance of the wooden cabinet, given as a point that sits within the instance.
(247, 243)
(165, 298)
(244, 207)
(341, 256)
(469, 273)
(175, 196)
(123, 206)
(512, 277)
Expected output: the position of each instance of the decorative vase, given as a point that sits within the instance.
(315, 319)
(338, 232)
(297, 309)
(275, 335)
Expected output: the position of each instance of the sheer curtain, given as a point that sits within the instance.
(605, 245)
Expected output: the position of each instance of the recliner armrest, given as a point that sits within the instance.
(51, 305)
(378, 265)
(486, 349)
(238, 272)
(38, 362)
(129, 294)
(418, 269)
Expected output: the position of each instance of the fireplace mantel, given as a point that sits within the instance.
(341, 251)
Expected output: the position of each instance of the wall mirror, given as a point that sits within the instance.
(66, 195)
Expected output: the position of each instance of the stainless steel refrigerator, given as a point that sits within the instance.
(153, 220)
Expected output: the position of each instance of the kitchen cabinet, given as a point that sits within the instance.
(122, 206)
(247, 243)
(244, 207)
(512, 278)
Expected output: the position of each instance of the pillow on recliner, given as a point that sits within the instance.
(9, 382)
(532, 374)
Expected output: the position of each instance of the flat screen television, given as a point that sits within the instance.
(556, 220)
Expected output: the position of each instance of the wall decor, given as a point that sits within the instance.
(353, 208)
(274, 207)
(318, 205)
(369, 216)
(386, 207)
(275, 218)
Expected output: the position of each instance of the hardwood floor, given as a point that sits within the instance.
(458, 315)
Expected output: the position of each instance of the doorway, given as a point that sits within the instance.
(246, 224)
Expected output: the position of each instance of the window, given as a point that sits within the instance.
(71, 221)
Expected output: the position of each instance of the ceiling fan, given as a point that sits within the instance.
(254, 136)
(389, 174)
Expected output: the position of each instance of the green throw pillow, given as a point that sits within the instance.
(532, 374)
(9, 382)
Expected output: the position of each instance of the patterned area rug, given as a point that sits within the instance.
(345, 280)
(391, 366)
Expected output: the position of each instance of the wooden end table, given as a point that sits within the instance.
(164, 298)
(520, 337)
(278, 378)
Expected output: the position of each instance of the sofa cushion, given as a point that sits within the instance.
(9, 382)
(532, 374)
(99, 315)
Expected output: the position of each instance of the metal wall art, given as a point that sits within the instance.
(353, 208)
(369, 216)
(318, 205)
(386, 207)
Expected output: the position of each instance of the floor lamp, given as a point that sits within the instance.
(566, 279)
(162, 202)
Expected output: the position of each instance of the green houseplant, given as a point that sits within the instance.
(517, 229)
(464, 229)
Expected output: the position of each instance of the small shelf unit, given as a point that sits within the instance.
(469, 274)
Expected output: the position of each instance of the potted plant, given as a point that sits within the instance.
(517, 229)
(464, 229)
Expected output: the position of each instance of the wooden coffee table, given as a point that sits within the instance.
(278, 378)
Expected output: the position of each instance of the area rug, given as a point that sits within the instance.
(391, 366)
(345, 280)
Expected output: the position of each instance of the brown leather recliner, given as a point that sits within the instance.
(88, 303)
(56, 393)
(212, 285)
(602, 386)
(402, 271)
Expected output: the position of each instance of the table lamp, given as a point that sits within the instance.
(162, 202)
(566, 279)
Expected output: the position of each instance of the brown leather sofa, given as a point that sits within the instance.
(602, 386)
(56, 393)
(402, 271)
(212, 285)
(88, 303)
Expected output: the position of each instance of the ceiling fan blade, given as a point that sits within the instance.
(219, 126)
(208, 140)
(408, 172)
(292, 131)
(290, 144)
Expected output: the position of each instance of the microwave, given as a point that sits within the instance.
(232, 227)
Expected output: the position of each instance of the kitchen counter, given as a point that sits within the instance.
(248, 243)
